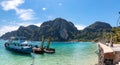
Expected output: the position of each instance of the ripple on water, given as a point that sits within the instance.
(67, 53)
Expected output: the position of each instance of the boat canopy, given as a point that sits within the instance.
(18, 39)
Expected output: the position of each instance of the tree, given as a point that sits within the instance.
(107, 37)
(116, 36)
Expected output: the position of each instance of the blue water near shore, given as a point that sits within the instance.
(67, 53)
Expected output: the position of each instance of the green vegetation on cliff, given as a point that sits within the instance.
(61, 30)
(94, 31)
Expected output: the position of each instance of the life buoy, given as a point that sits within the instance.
(6, 44)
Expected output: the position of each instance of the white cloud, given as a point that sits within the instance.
(11, 4)
(5, 29)
(49, 17)
(80, 27)
(38, 24)
(26, 24)
(24, 14)
(43, 8)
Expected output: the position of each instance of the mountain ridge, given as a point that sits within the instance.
(59, 30)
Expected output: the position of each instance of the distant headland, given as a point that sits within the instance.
(60, 29)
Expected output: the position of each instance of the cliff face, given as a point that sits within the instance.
(59, 30)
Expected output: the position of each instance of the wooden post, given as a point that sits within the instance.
(48, 45)
(42, 43)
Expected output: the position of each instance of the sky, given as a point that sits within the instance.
(14, 13)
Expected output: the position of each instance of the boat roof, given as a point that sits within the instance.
(18, 38)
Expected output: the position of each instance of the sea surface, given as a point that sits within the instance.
(67, 53)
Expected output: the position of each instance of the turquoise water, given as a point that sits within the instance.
(67, 53)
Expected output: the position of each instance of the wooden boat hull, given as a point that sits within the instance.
(49, 51)
(38, 51)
